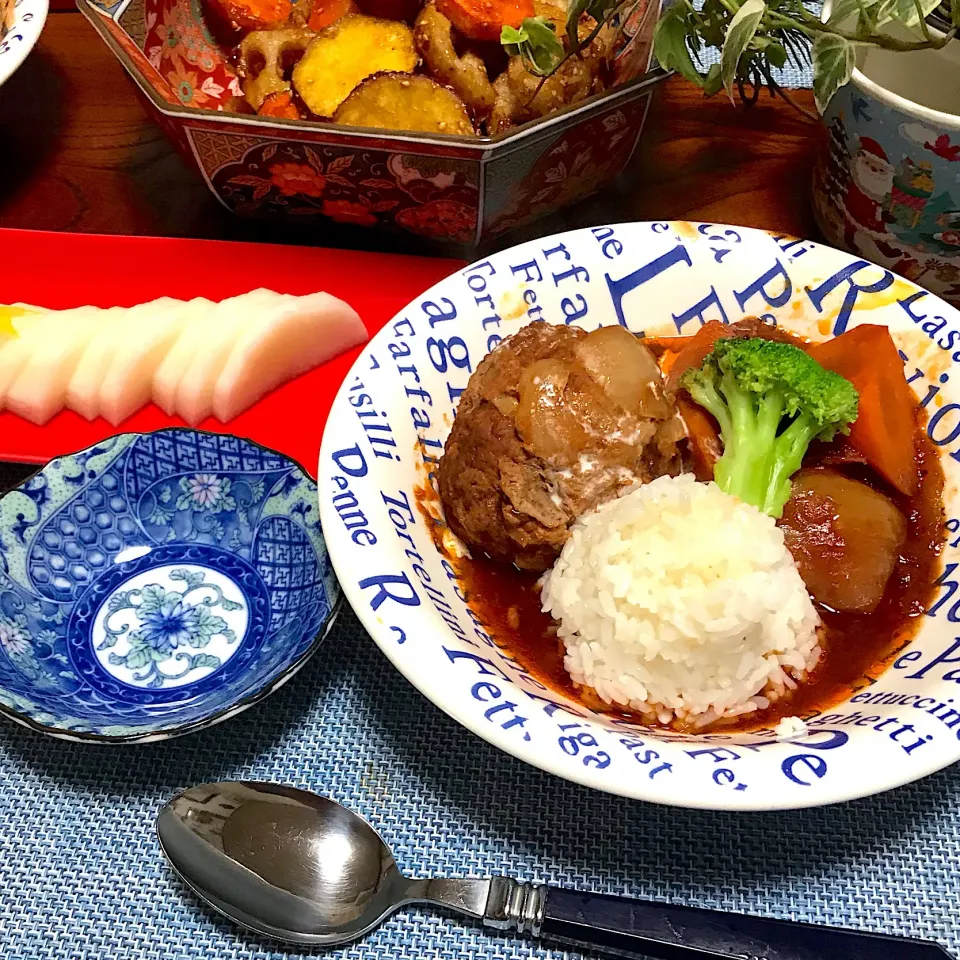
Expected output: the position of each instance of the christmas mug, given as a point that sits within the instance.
(887, 181)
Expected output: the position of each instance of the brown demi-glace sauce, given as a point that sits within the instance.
(857, 647)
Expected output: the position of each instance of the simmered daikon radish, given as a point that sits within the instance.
(127, 383)
(194, 394)
(40, 388)
(276, 347)
(83, 390)
(185, 355)
(18, 322)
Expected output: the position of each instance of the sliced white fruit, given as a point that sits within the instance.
(213, 343)
(281, 344)
(54, 345)
(127, 383)
(83, 391)
(17, 323)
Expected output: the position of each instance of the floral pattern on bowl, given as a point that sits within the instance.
(155, 584)
(353, 187)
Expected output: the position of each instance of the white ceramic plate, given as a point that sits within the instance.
(659, 278)
(30, 16)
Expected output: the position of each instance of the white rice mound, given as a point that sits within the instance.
(681, 602)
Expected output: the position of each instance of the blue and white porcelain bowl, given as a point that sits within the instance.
(155, 584)
(388, 425)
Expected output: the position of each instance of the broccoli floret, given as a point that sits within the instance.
(771, 400)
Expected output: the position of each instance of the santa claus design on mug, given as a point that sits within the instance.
(869, 189)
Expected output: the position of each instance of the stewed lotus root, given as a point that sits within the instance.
(466, 75)
(401, 101)
(346, 53)
(270, 47)
(522, 96)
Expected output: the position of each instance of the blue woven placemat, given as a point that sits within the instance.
(82, 877)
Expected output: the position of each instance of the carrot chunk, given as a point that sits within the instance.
(485, 19)
(325, 12)
(884, 429)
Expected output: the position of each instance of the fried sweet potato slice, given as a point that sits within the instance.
(345, 54)
(253, 14)
(399, 101)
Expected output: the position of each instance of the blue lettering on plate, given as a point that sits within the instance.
(776, 276)
(846, 276)
(620, 288)
(699, 311)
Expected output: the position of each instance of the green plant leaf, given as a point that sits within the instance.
(575, 11)
(842, 10)
(833, 63)
(712, 83)
(670, 45)
(512, 37)
(743, 28)
(776, 53)
(907, 13)
(883, 11)
(540, 47)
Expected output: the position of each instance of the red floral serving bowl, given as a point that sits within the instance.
(455, 189)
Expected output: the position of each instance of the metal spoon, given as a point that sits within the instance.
(299, 867)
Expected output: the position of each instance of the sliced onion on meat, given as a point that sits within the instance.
(547, 426)
(626, 370)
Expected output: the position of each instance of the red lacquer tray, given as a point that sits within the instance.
(60, 270)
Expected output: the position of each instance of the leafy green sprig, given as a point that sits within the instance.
(542, 50)
(756, 36)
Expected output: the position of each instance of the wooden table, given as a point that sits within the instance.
(78, 153)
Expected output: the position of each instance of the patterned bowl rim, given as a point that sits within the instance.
(251, 699)
(564, 117)
(31, 33)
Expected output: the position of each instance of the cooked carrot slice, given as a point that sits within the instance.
(697, 348)
(885, 426)
(703, 436)
(279, 105)
(485, 19)
(325, 12)
(665, 346)
(253, 14)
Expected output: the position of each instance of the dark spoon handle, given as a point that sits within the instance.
(634, 928)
